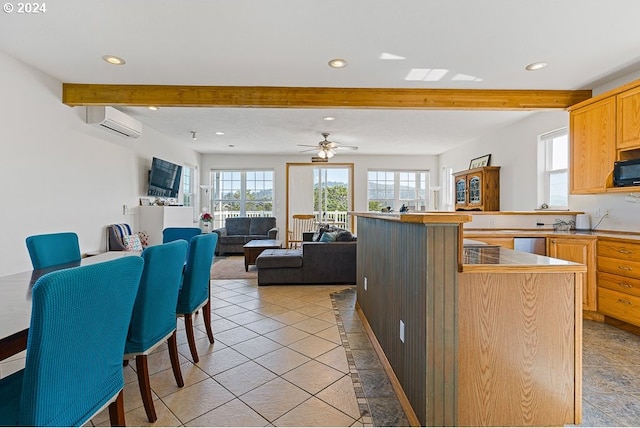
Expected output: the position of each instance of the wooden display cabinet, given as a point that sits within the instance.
(477, 189)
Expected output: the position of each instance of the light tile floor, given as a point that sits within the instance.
(299, 356)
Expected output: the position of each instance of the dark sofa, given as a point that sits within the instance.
(314, 263)
(240, 230)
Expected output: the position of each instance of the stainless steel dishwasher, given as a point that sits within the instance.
(531, 245)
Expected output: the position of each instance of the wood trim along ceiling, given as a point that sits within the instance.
(77, 94)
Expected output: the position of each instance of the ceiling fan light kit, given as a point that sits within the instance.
(326, 149)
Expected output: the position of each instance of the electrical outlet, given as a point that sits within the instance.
(492, 223)
(401, 331)
(597, 213)
(606, 212)
(365, 283)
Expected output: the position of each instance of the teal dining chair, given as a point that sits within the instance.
(154, 319)
(194, 293)
(171, 234)
(53, 249)
(73, 368)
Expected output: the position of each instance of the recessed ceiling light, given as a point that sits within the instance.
(536, 66)
(114, 60)
(154, 108)
(337, 63)
(328, 118)
(219, 133)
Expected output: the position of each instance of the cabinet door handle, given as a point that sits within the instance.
(624, 251)
(624, 268)
(625, 301)
(622, 284)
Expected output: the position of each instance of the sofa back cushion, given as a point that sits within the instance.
(261, 225)
(237, 225)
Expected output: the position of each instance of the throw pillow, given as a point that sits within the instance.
(132, 243)
(144, 239)
(344, 236)
(328, 237)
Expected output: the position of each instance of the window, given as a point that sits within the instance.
(395, 188)
(189, 186)
(241, 194)
(555, 181)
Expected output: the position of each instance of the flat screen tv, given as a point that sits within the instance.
(164, 179)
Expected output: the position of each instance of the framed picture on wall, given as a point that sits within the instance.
(480, 162)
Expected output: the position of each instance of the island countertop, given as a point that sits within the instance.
(493, 258)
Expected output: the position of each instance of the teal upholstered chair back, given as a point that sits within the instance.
(76, 339)
(197, 273)
(171, 234)
(154, 313)
(53, 249)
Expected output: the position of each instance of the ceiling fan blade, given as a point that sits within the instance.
(308, 150)
(348, 147)
(308, 145)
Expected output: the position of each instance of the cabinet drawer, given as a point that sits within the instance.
(619, 267)
(619, 283)
(619, 250)
(620, 306)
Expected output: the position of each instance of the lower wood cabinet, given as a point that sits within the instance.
(578, 250)
(503, 242)
(619, 279)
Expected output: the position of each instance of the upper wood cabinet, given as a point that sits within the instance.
(478, 189)
(593, 146)
(628, 119)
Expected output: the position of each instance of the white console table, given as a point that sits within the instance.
(152, 220)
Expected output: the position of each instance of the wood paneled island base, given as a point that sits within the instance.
(477, 336)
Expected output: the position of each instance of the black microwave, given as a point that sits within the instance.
(626, 173)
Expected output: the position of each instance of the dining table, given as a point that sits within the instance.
(15, 300)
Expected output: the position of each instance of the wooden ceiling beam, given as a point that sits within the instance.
(75, 94)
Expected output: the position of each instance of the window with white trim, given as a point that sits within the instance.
(396, 188)
(555, 181)
(241, 194)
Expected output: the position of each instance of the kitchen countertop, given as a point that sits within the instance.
(478, 233)
(492, 258)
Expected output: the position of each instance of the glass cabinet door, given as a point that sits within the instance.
(461, 190)
(474, 190)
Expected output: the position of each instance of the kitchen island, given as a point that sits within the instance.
(476, 336)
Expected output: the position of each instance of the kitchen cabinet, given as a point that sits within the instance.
(503, 242)
(628, 118)
(619, 279)
(592, 146)
(579, 250)
(478, 189)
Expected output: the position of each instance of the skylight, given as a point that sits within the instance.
(426, 74)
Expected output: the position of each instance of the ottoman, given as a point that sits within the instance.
(279, 266)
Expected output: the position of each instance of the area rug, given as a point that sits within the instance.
(232, 267)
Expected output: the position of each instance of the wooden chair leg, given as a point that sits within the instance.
(175, 362)
(188, 328)
(116, 411)
(206, 311)
(145, 387)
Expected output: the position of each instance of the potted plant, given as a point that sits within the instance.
(207, 222)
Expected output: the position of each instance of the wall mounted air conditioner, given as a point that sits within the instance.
(114, 120)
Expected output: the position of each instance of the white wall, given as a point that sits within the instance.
(60, 174)
(278, 164)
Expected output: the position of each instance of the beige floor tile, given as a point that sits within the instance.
(265, 326)
(244, 377)
(332, 334)
(269, 310)
(275, 398)
(328, 316)
(241, 298)
(164, 383)
(228, 311)
(203, 346)
(181, 336)
(232, 414)
(312, 310)
(220, 361)
(312, 346)
(287, 335)
(313, 376)
(132, 400)
(290, 317)
(253, 348)
(223, 294)
(235, 336)
(138, 417)
(222, 324)
(291, 302)
(158, 361)
(314, 412)
(336, 358)
(195, 400)
(341, 395)
(252, 304)
(282, 360)
(246, 317)
(312, 325)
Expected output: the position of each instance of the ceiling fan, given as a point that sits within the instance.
(325, 148)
